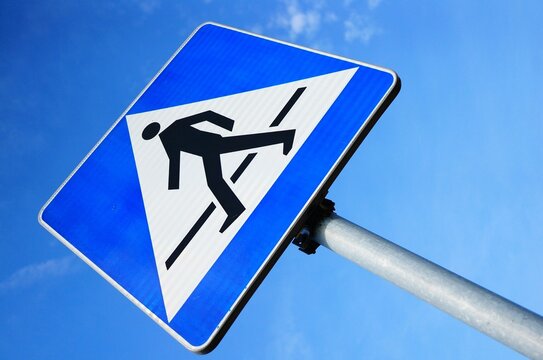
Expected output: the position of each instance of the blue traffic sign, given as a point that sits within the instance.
(188, 200)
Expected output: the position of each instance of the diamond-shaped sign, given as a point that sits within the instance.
(188, 200)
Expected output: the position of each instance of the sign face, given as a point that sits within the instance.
(188, 200)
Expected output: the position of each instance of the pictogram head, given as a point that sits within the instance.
(150, 131)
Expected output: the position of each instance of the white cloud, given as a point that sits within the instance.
(372, 4)
(359, 28)
(315, 23)
(298, 21)
(33, 273)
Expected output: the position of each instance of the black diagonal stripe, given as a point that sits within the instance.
(235, 176)
(241, 168)
(287, 107)
(193, 230)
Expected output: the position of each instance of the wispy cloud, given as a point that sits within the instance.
(373, 4)
(33, 273)
(316, 23)
(359, 28)
(298, 21)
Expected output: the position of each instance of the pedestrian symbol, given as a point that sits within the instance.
(181, 136)
(189, 199)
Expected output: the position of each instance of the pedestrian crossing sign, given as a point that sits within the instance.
(188, 200)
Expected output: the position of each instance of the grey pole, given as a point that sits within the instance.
(499, 318)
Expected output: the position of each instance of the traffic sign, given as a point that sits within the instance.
(188, 200)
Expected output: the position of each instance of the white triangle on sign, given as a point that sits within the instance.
(172, 213)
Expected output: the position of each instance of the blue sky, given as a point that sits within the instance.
(452, 171)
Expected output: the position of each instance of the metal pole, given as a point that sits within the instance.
(499, 318)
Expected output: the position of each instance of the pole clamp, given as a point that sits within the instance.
(304, 239)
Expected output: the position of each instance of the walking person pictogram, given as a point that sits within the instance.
(181, 136)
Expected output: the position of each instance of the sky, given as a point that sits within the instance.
(452, 171)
